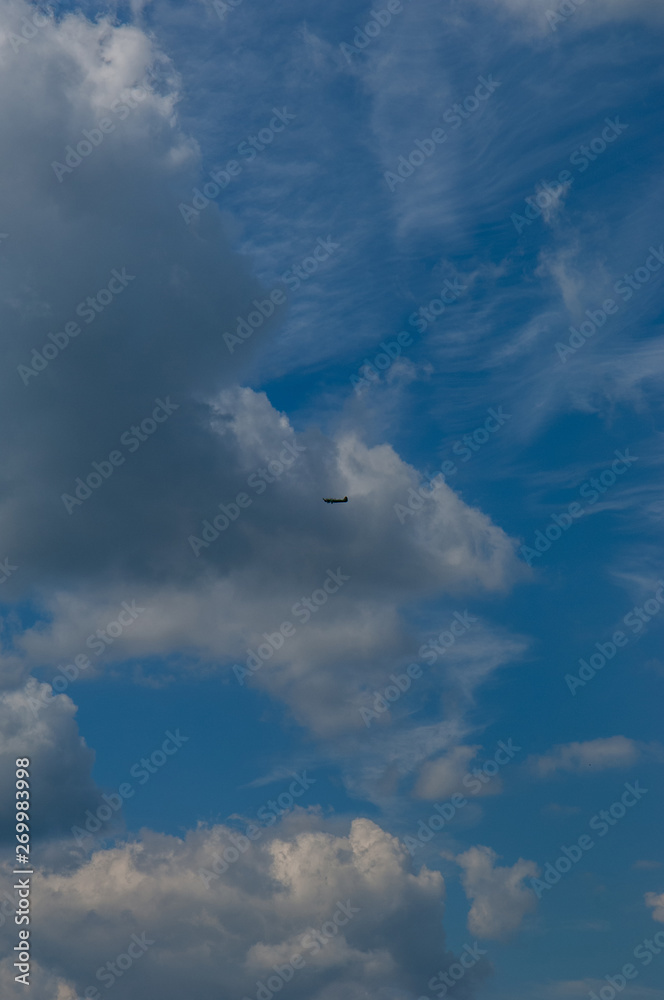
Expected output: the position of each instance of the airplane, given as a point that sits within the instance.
(332, 500)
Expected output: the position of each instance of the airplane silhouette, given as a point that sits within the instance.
(331, 500)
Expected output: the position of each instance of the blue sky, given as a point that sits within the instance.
(428, 276)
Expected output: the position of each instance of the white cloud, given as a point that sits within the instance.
(588, 757)
(188, 287)
(441, 778)
(249, 580)
(657, 903)
(43, 728)
(500, 900)
(217, 942)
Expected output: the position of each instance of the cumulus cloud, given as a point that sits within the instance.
(182, 288)
(577, 758)
(220, 940)
(185, 288)
(160, 338)
(61, 785)
(250, 572)
(500, 900)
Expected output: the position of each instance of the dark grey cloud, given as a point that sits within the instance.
(160, 336)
